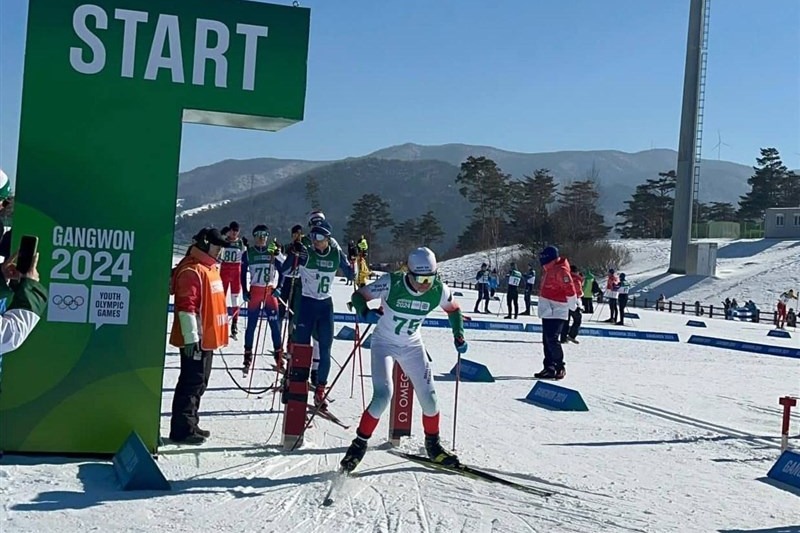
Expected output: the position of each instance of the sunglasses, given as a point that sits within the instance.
(258, 234)
(319, 237)
(423, 279)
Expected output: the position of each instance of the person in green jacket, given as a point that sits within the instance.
(588, 282)
(26, 304)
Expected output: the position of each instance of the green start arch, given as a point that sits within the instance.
(106, 87)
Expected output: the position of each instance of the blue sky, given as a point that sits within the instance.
(530, 76)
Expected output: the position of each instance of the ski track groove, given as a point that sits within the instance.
(382, 508)
(584, 517)
(247, 472)
(422, 516)
(696, 422)
(774, 411)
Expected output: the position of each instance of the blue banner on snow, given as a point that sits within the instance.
(472, 371)
(346, 334)
(135, 467)
(696, 323)
(555, 397)
(751, 347)
(779, 333)
(616, 333)
(787, 469)
(513, 326)
(444, 323)
(242, 310)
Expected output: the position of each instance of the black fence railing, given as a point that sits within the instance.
(684, 308)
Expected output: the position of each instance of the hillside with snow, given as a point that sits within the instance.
(747, 269)
(678, 437)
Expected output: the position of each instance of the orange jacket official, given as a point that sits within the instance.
(199, 292)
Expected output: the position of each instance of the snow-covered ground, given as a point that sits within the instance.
(747, 269)
(677, 438)
(464, 268)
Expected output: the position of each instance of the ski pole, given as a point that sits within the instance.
(599, 311)
(361, 373)
(455, 407)
(258, 339)
(333, 384)
(287, 322)
(353, 377)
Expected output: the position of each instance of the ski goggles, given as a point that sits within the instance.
(423, 279)
(258, 234)
(319, 237)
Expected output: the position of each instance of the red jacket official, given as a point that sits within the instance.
(200, 297)
(557, 294)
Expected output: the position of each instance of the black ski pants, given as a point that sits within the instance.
(553, 353)
(192, 383)
(512, 299)
(612, 306)
(483, 294)
(622, 302)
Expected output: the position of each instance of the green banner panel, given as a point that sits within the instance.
(106, 87)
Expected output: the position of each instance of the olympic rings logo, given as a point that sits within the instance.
(68, 302)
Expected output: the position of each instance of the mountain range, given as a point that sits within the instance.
(416, 178)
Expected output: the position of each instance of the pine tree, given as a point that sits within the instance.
(663, 190)
(772, 185)
(791, 189)
(312, 193)
(636, 222)
(531, 201)
(485, 186)
(470, 239)
(429, 229)
(405, 237)
(649, 211)
(370, 214)
(718, 212)
(577, 218)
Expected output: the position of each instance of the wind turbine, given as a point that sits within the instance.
(719, 145)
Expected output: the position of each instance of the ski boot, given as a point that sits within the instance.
(547, 373)
(354, 454)
(319, 398)
(234, 329)
(247, 362)
(437, 453)
(561, 373)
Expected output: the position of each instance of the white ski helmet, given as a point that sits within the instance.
(315, 217)
(422, 261)
(5, 185)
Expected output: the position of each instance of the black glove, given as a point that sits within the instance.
(371, 316)
(192, 350)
